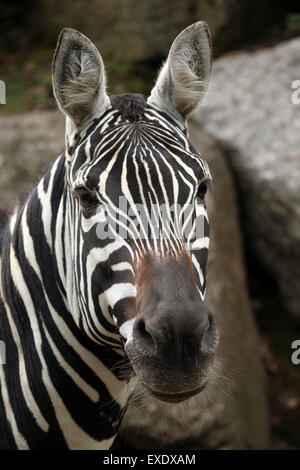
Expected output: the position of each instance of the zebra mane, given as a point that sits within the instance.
(130, 105)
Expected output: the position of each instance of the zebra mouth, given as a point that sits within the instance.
(176, 397)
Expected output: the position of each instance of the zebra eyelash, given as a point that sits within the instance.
(87, 199)
(202, 189)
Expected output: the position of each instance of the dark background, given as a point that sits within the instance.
(133, 37)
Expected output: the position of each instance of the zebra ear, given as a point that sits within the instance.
(78, 76)
(184, 78)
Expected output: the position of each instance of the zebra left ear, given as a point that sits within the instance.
(78, 76)
(184, 78)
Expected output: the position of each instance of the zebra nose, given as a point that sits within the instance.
(184, 335)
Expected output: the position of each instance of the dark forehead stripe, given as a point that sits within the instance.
(131, 124)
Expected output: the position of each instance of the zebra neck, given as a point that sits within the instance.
(55, 375)
(33, 274)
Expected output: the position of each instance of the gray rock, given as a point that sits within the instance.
(250, 112)
(232, 412)
(29, 143)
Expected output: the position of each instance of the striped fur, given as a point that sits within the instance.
(68, 297)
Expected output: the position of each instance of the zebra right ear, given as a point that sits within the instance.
(184, 78)
(78, 77)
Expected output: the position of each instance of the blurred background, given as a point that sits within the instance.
(250, 120)
(133, 37)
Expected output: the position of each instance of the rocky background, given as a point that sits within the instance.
(248, 129)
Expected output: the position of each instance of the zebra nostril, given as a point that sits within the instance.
(211, 336)
(143, 339)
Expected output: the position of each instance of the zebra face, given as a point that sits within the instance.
(135, 188)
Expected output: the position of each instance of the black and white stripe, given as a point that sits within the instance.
(67, 297)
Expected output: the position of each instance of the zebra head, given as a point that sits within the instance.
(138, 227)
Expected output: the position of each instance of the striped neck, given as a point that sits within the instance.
(67, 375)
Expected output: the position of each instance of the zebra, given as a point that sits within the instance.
(83, 315)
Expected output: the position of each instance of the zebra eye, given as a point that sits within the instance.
(87, 200)
(202, 191)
